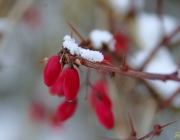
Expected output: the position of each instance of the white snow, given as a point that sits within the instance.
(149, 34)
(124, 6)
(90, 55)
(149, 29)
(98, 37)
(171, 24)
(111, 45)
(163, 63)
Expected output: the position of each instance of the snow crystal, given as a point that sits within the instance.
(98, 37)
(93, 56)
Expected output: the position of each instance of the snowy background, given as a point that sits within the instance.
(31, 30)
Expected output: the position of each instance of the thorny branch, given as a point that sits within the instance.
(133, 73)
(155, 132)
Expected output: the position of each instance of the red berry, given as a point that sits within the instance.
(66, 110)
(105, 115)
(122, 42)
(71, 84)
(52, 70)
(57, 87)
(99, 94)
(32, 17)
(37, 111)
(107, 59)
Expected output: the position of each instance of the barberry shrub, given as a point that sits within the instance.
(98, 53)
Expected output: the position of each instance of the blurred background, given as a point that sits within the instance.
(31, 30)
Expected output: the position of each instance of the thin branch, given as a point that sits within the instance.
(157, 130)
(167, 102)
(133, 73)
(159, 8)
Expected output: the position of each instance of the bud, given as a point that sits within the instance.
(66, 110)
(71, 84)
(52, 70)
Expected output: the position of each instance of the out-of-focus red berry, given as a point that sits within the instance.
(54, 122)
(52, 70)
(71, 84)
(57, 87)
(107, 59)
(105, 115)
(121, 42)
(33, 17)
(66, 110)
(99, 94)
(37, 111)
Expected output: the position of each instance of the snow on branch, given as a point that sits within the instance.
(90, 55)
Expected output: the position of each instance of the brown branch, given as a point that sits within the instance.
(157, 131)
(159, 8)
(133, 73)
(167, 102)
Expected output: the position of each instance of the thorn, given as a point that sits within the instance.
(158, 128)
(45, 60)
(168, 124)
(124, 66)
(71, 34)
(76, 32)
(133, 132)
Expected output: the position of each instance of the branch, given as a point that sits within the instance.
(133, 73)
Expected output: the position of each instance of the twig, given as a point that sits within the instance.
(159, 8)
(133, 73)
(166, 103)
(157, 130)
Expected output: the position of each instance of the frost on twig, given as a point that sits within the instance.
(90, 55)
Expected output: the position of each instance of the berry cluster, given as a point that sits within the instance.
(62, 83)
(65, 82)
